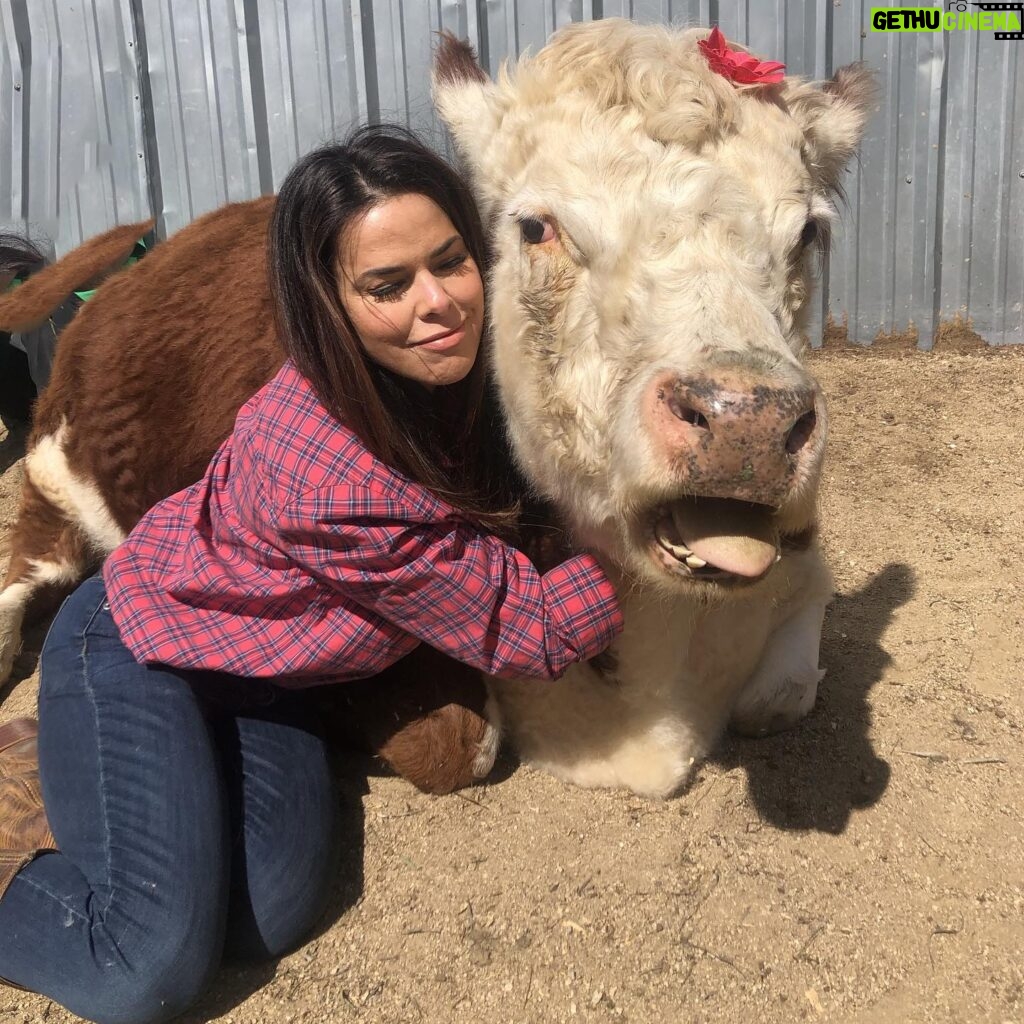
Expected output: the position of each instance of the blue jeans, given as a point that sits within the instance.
(190, 819)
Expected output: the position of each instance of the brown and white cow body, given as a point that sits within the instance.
(651, 224)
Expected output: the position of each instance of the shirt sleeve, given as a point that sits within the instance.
(452, 585)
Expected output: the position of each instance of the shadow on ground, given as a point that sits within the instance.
(12, 447)
(816, 775)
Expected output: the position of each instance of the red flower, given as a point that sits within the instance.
(739, 67)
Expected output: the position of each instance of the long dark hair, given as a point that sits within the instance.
(17, 255)
(448, 439)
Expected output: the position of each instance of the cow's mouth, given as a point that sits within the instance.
(717, 539)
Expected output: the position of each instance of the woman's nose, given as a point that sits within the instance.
(433, 297)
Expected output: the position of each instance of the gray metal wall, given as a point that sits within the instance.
(111, 110)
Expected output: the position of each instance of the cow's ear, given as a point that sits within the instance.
(465, 98)
(833, 118)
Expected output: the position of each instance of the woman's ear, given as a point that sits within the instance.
(833, 117)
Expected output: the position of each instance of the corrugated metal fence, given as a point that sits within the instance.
(111, 110)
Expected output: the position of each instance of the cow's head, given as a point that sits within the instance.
(654, 227)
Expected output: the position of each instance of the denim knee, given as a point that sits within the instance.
(271, 919)
(285, 823)
(134, 1000)
(148, 992)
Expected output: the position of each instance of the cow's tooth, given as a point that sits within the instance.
(680, 552)
(694, 562)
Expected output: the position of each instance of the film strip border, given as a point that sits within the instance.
(1018, 7)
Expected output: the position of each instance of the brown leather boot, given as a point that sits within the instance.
(24, 830)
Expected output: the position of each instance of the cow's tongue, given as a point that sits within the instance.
(730, 535)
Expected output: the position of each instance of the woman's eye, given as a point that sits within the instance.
(454, 263)
(536, 230)
(387, 292)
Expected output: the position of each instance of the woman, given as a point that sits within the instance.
(350, 516)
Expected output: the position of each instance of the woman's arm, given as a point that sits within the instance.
(463, 591)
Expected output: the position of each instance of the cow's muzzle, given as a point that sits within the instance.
(738, 448)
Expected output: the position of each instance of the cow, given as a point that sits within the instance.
(655, 223)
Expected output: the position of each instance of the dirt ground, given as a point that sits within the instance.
(866, 867)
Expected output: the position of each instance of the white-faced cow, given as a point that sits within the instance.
(654, 223)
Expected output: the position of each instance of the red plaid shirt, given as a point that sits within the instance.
(301, 556)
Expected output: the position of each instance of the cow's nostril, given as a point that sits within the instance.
(802, 432)
(687, 413)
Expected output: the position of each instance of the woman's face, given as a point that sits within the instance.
(412, 291)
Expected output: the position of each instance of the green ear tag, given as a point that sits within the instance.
(138, 251)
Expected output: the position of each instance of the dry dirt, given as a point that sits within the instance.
(866, 867)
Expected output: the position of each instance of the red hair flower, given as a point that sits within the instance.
(741, 68)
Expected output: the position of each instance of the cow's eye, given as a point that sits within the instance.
(536, 230)
(809, 234)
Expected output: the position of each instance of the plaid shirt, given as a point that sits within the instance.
(303, 557)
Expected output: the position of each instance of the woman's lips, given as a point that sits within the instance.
(440, 342)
